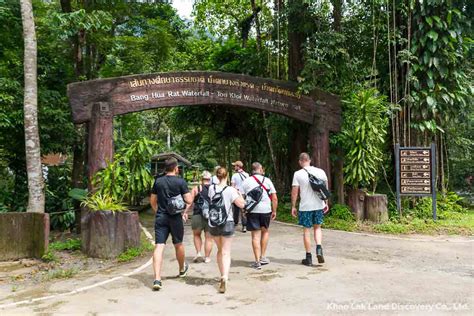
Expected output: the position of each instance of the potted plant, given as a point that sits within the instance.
(108, 228)
(365, 128)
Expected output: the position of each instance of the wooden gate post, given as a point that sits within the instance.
(101, 139)
(319, 141)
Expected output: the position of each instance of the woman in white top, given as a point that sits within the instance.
(223, 234)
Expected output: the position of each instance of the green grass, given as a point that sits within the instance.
(340, 224)
(49, 256)
(69, 244)
(135, 252)
(450, 223)
(61, 274)
(460, 224)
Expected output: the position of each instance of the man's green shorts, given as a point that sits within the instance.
(198, 222)
(310, 218)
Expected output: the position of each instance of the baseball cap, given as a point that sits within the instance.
(238, 163)
(206, 175)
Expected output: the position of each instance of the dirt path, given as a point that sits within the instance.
(363, 274)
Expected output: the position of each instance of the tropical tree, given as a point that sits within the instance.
(36, 198)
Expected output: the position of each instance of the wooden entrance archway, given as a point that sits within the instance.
(96, 102)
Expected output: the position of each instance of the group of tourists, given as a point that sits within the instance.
(217, 208)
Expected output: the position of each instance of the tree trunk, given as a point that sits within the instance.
(296, 37)
(337, 14)
(376, 208)
(257, 25)
(278, 8)
(32, 142)
(319, 140)
(355, 200)
(339, 175)
(272, 153)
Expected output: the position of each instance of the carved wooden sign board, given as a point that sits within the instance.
(415, 171)
(143, 92)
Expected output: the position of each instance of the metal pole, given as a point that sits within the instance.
(397, 177)
(433, 179)
(168, 139)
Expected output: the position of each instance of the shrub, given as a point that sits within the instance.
(99, 202)
(342, 212)
(127, 177)
(58, 203)
(49, 256)
(448, 207)
(3, 208)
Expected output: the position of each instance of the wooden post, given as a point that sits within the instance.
(101, 141)
(319, 141)
(356, 201)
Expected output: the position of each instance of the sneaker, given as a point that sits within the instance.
(308, 261)
(319, 255)
(256, 265)
(157, 285)
(183, 273)
(244, 230)
(223, 285)
(264, 261)
(198, 259)
(207, 260)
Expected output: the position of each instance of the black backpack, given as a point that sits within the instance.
(254, 196)
(201, 202)
(217, 210)
(319, 186)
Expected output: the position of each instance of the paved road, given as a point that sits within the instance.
(380, 275)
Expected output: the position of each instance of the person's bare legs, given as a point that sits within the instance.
(307, 239)
(223, 260)
(318, 238)
(180, 255)
(256, 238)
(218, 240)
(208, 245)
(264, 242)
(226, 243)
(318, 234)
(197, 241)
(158, 260)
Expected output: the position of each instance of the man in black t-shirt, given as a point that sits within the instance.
(167, 187)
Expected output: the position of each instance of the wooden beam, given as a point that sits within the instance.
(143, 92)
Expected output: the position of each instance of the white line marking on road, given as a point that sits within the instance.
(85, 288)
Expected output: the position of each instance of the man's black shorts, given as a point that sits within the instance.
(165, 225)
(256, 221)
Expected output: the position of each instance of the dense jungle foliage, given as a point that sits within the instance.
(409, 63)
